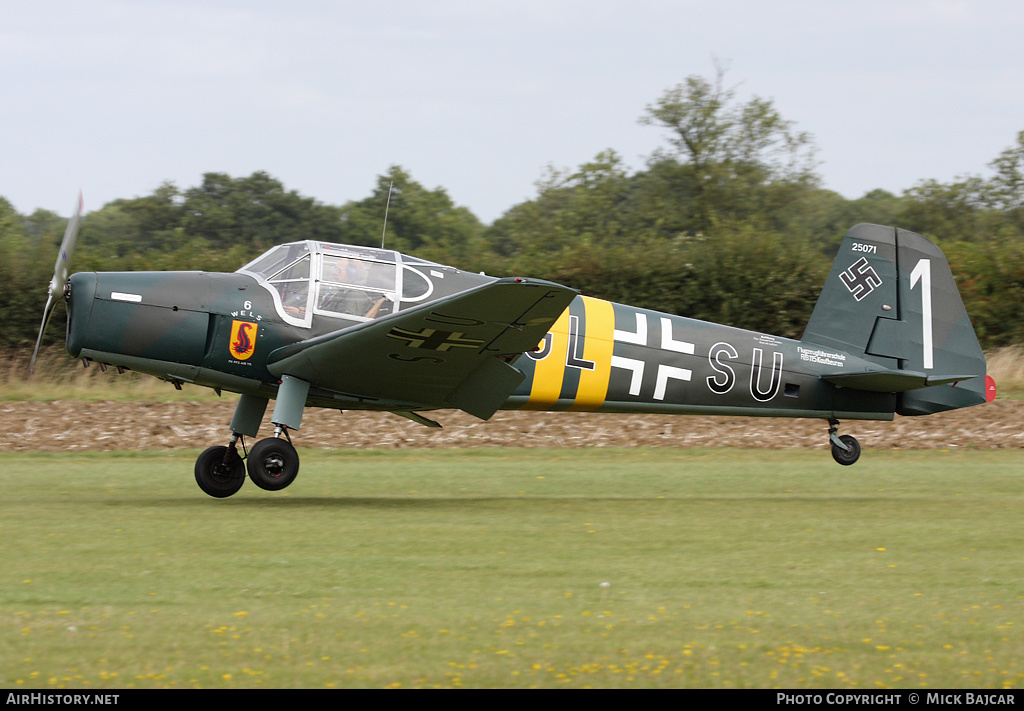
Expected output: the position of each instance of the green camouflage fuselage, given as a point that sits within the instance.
(888, 335)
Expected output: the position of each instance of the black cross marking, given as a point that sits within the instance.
(860, 279)
(433, 340)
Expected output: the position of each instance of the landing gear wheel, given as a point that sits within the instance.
(216, 478)
(273, 464)
(846, 457)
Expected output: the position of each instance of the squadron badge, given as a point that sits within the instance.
(243, 339)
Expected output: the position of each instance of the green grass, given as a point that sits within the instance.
(486, 568)
(57, 376)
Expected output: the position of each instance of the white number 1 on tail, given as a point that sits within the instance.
(923, 273)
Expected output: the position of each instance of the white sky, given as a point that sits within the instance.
(478, 96)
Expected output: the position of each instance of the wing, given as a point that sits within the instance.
(452, 352)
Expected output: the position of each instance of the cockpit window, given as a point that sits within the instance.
(344, 281)
(358, 272)
(415, 286)
(298, 270)
(277, 259)
(356, 287)
(292, 283)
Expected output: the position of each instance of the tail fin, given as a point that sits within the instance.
(891, 299)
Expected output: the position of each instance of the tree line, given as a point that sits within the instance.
(727, 222)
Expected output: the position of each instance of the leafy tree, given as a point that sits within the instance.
(972, 208)
(990, 276)
(26, 265)
(750, 277)
(586, 209)
(950, 211)
(1006, 188)
(44, 225)
(419, 221)
(824, 216)
(744, 276)
(256, 212)
(740, 159)
(664, 198)
(109, 238)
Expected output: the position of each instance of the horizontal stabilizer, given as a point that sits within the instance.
(891, 381)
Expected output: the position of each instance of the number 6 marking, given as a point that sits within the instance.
(923, 273)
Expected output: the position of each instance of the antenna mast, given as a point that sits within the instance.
(386, 207)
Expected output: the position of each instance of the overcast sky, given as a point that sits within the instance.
(479, 96)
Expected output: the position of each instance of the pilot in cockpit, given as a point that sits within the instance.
(360, 302)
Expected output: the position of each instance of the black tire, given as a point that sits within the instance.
(846, 457)
(216, 478)
(273, 464)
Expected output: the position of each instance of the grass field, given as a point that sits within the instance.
(504, 568)
(57, 376)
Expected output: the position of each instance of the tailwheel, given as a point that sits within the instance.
(845, 448)
(849, 455)
(273, 464)
(220, 472)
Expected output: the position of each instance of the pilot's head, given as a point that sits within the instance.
(349, 271)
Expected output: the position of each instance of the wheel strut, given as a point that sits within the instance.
(833, 429)
(231, 451)
(282, 430)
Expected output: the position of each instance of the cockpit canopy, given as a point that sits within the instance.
(342, 281)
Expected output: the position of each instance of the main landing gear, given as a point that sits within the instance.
(272, 465)
(845, 448)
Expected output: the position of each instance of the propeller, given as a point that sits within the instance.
(60, 275)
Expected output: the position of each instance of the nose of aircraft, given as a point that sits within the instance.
(80, 295)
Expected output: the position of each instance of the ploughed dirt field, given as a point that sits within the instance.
(80, 425)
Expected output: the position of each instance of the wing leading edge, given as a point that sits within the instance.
(452, 352)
